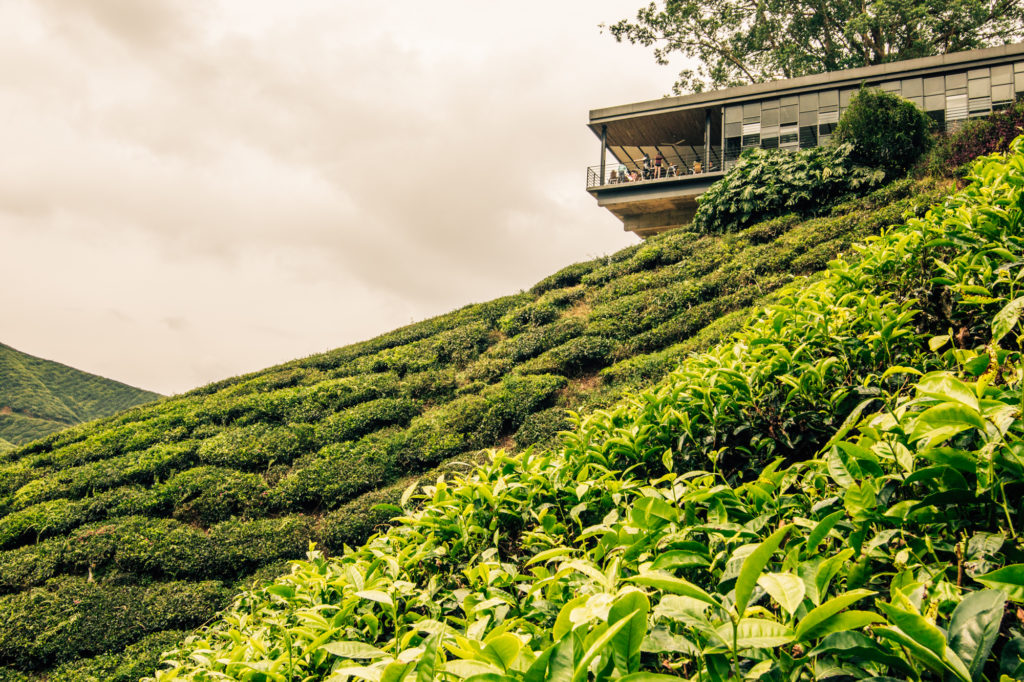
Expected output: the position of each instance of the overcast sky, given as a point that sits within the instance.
(192, 189)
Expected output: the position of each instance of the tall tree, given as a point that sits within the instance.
(737, 42)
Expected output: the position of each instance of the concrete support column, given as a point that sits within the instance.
(707, 140)
(604, 149)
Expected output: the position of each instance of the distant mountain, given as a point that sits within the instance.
(38, 397)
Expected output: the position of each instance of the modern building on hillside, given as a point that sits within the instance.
(690, 141)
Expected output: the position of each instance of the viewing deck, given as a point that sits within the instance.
(699, 137)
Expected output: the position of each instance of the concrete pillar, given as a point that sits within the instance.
(604, 149)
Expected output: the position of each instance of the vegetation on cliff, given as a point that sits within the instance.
(39, 397)
(835, 491)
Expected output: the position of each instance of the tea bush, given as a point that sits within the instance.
(975, 137)
(886, 131)
(832, 492)
(766, 183)
(174, 490)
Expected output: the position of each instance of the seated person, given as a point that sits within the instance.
(697, 167)
(613, 179)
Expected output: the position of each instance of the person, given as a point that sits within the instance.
(623, 177)
(697, 167)
(613, 179)
(658, 159)
(647, 166)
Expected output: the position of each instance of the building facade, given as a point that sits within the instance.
(658, 156)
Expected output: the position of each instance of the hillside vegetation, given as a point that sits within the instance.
(835, 492)
(39, 397)
(117, 535)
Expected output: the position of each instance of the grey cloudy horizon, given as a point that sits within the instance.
(194, 190)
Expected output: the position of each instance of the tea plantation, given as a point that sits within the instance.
(39, 397)
(119, 535)
(836, 491)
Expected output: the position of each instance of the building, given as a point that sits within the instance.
(700, 136)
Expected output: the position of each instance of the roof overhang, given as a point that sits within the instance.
(694, 105)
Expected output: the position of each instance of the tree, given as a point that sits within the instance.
(738, 42)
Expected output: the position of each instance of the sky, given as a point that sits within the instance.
(194, 189)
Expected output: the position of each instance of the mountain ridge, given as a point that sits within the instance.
(40, 396)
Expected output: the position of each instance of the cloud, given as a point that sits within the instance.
(247, 182)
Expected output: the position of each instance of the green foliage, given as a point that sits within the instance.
(974, 138)
(834, 488)
(886, 131)
(766, 183)
(226, 482)
(39, 396)
(73, 617)
(737, 43)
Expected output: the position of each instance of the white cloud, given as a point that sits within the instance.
(193, 190)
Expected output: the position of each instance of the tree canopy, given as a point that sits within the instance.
(737, 42)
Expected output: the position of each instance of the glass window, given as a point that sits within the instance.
(978, 87)
(733, 129)
(1002, 75)
(828, 116)
(825, 129)
(1002, 94)
(769, 117)
(980, 106)
(935, 102)
(828, 99)
(733, 115)
(913, 87)
(751, 112)
(769, 142)
(955, 81)
(809, 118)
(934, 86)
(789, 135)
(956, 107)
(808, 136)
(788, 114)
(809, 102)
(751, 140)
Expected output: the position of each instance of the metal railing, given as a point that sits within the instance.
(681, 165)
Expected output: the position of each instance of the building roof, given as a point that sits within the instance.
(793, 86)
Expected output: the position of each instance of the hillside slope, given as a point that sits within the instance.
(38, 397)
(118, 534)
(833, 493)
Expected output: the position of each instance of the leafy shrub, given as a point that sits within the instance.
(541, 428)
(73, 617)
(566, 277)
(256, 446)
(573, 358)
(136, 661)
(208, 494)
(836, 488)
(56, 517)
(886, 131)
(975, 137)
(360, 420)
(766, 183)
(430, 386)
(533, 342)
(141, 467)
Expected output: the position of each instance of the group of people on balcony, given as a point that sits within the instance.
(651, 170)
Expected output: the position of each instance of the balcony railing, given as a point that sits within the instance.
(634, 171)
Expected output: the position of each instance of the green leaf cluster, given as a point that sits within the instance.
(766, 183)
(834, 492)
